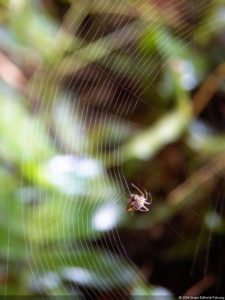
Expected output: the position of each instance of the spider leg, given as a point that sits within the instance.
(146, 194)
(150, 198)
(129, 209)
(147, 202)
(140, 209)
(137, 189)
(144, 208)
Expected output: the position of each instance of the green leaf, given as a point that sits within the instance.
(61, 218)
(23, 137)
(93, 268)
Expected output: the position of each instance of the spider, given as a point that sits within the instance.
(138, 202)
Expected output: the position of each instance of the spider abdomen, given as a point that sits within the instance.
(139, 201)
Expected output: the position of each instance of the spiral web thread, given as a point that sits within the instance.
(88, 117)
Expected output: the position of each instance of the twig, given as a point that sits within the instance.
(177, 199)
(202, 285)
(208, 88)
(195, 181)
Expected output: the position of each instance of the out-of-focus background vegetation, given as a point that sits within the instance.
(94, 96)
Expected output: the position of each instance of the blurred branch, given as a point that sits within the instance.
(197, 180)
(71, 22)
(170, 127)
(201, 286)
(211, 23)
(161, 14)
(185, 193)
(115, 7)
(145, 144)
(96, 50)
(166, 130)
(208, 89)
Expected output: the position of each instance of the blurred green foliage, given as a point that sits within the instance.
(66, 135)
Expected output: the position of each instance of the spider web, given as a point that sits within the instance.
(85, 130)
